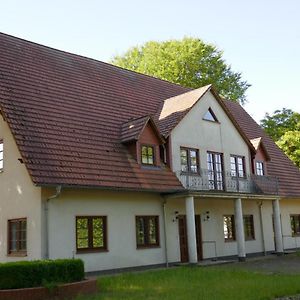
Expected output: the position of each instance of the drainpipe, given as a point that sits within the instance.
(165, 233)
(57, 193)
(262, 226)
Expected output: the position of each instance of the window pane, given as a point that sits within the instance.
(249, 227)
(82, 233)
(193, 161)
(184, 161)
(147, 155)
(98, 233)
(228, 227)
(152, 230)
(140, 231)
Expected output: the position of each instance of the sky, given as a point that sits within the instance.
(259, 38)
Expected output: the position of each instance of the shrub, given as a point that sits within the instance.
(25, 274)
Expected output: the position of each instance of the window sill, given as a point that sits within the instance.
(249, 239)
(229, 241)
(17, 254)
(86, 251)
(147, 247)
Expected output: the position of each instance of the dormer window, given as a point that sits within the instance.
(1, 155)
(260, 168)
(147, 153)
(210, 116)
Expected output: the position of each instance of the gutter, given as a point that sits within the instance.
(262, 227)
(56, 195)
(165, 233)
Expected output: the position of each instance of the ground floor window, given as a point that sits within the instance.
(91, 233)
(147, 231)
(17, 236)
(229, 228)
(295, 224)
(249, 227)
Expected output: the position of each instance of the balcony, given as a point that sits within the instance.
(224, 182)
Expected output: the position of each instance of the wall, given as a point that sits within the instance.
(212, 229)
(120, 209)
(289, 207)
(19, 198)
(204, 135)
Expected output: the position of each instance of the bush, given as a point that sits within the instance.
(25, 274)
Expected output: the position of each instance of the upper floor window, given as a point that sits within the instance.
(17, 236)
(259, 166)
(215, 171)
(147, 154)
(1, 155)
(91, 233)
(147, 231)
(189, 160)
(210, 116)
(237, 166)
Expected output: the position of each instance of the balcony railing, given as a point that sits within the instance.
(208, 180)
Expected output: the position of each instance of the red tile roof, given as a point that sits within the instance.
(132, 129)
(66, 113)
(279, 165)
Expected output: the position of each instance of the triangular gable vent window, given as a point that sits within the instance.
(210, 116)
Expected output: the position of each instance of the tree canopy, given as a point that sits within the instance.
(189, 62)
(283, 126)
(278, 123)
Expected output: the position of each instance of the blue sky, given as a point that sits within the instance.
(261, 39)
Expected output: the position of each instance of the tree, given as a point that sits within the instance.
(290, 144)
(281, 121)
(188, 62)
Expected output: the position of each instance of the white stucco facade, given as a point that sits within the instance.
(19, 198)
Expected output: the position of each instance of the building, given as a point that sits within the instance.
(124, 170)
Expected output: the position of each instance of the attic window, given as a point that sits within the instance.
(147, 155)
(210, 116)
(1, 155)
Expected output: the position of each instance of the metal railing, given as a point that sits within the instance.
(207, 180)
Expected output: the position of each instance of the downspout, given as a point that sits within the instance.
(262, 227)
(165, 233)
(57, 193)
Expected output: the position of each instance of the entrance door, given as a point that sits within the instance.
(183, 242)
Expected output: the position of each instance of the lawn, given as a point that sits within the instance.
(197, 283)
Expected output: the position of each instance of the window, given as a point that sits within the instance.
(210, 116)
(237, 166)
(147, 231)
(249, 227)
(147, 155)
(189, 160)
(295, 224)
(17, 236)
(229, 228)
(1, 155)
(215, 171)
(260, 168)
(91, 233)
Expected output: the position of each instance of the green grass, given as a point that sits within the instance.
(196, 283)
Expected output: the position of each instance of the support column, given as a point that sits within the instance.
(239, 229)
(277, 227)
(191, 229)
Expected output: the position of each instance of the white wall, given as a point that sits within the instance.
(120, 209)
(212, 230)
(289, 207)
(204, 135)
(19, 198)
